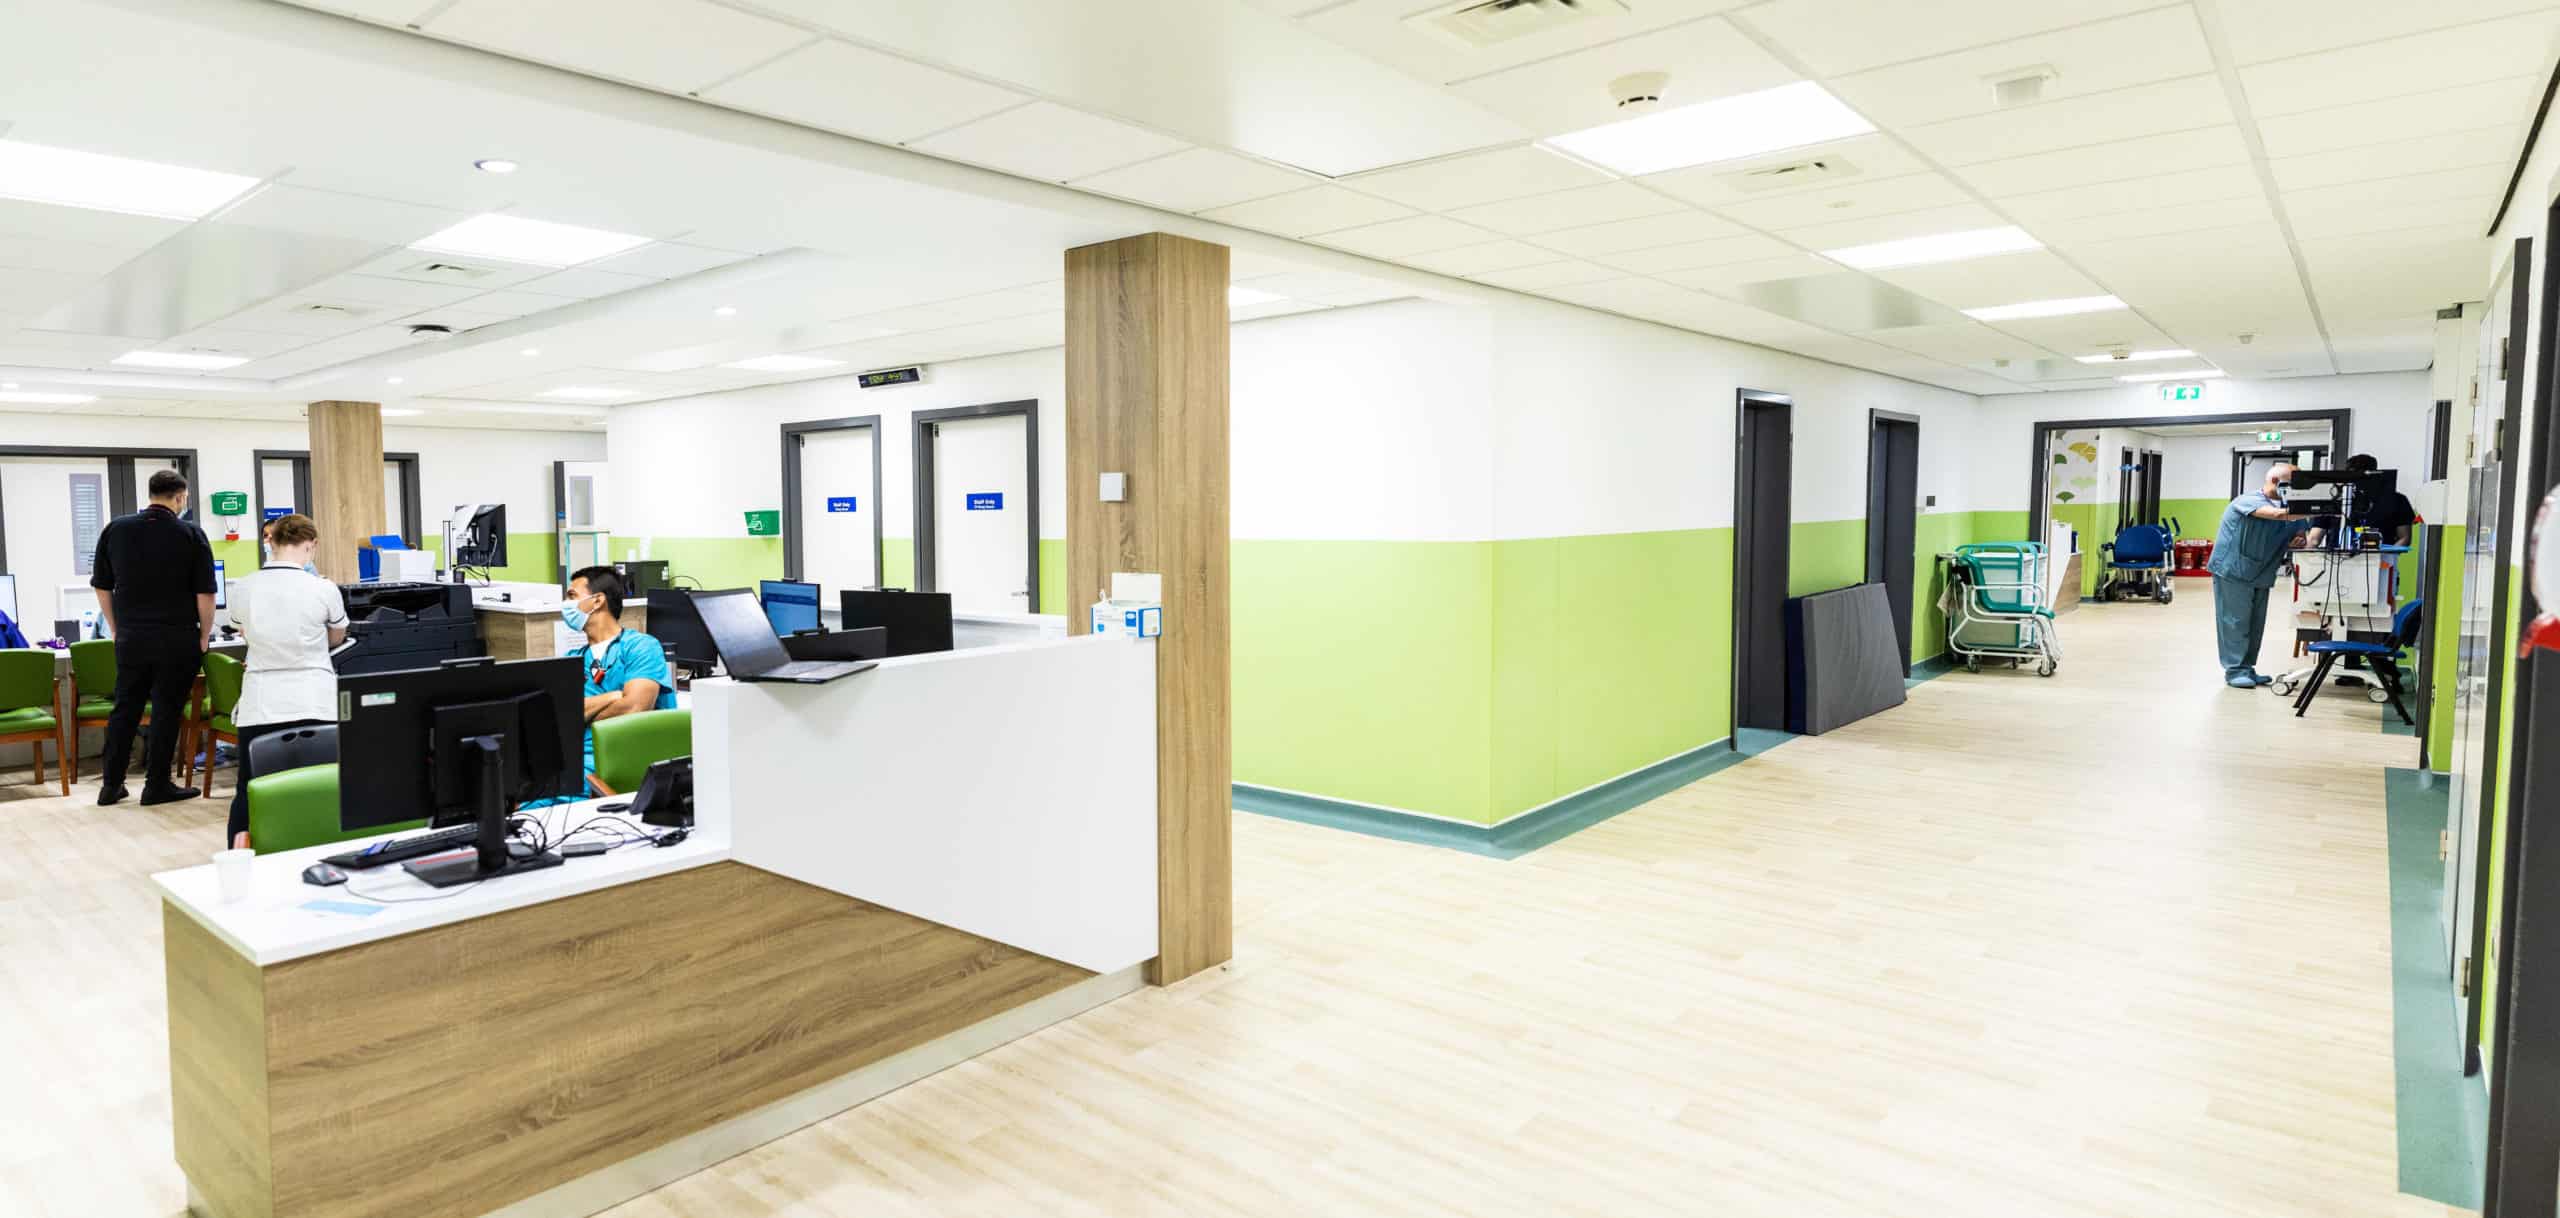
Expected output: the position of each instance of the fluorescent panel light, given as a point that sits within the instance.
(1728, 128)
(782, 363)
(180, 359)
(40, 174)
(32, 398)
(1240, 297)
(2135, 357)
(2206, 375)
(588, 393)
(533, 242)
(2046, 308)
(1943, 247)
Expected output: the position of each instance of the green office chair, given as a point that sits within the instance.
(299, 808)
(30, 696)
(93, 692)
(211, 714)
(628, 746)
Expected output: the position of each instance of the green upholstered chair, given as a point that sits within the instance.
(30, 702)
(628, 746)
(93, 694)
(211, 714)
(298, 808)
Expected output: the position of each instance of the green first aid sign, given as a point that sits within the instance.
(231, 503)
(765, 524)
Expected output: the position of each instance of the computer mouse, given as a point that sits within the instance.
(323, 875)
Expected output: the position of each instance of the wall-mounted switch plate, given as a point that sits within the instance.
(1115, 488)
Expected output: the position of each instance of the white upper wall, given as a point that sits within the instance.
(2199, 467)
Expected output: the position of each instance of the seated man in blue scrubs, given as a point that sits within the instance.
(2248, 552)
(626, 671)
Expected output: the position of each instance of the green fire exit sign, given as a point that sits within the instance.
(2270, 437)
(2182, 393)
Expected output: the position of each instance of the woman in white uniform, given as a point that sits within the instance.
(291, 618)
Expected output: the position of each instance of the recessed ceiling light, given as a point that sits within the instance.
(400, 414)
(725, 311)
(391, 380)
(782, 363)
(533, 242)
(47, 399)
(2135, 356)
(2046, 308)
(1941, 247)
(588, 393)
(1240, 297)
(40, 174)
(495, 164)
(530, 351)
(180, 359)
(1728, 128)
(2206, 375)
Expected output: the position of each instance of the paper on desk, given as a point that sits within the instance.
(345, 908)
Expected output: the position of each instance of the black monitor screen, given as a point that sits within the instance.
(676, 626)
(917, 622)
(398, 735)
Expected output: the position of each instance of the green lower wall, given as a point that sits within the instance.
(2197, 518)
(2444, 620)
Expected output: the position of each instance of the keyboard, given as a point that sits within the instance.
(402, 849)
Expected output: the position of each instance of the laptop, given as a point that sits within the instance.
(750, 648)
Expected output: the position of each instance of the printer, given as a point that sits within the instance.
(408, 625)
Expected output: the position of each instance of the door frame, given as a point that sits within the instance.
(1744, 529)
(2520, 317)
(2439, 457)
(1877, 419)
(922, 446)
(2040, 445)
(2240, 460)
(792, 433)
(414, 519)
(186, 466)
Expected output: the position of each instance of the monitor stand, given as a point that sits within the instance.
(492, 858)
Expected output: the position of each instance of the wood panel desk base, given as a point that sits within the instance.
(560, 1058)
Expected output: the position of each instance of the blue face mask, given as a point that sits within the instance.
(572, 616)
(313, 568)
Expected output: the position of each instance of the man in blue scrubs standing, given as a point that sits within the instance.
(2248, 552)
(626, 671)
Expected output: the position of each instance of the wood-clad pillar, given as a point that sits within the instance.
(1147, 397)
(346, 482)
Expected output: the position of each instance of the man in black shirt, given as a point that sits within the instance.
(154, 576)
(2392, 515)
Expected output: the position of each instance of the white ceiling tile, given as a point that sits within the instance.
(2464, 108)
(256, 344)
(1489, 256)
(1568, 209)
(666, 260)
(55, 254)
(1194, 179)
(679, 45)
(583, 282)
(1731, 276)
(1049, 142)
(1961, 217)
(2412, 281)
(1981, 282)
(861, 92)
(1320, 209)
(2224, 213)
(1862, 158)
(459, 318)
(1857, 199)
(1968, 342)
(2260, 30)
(104, 229)
(378, 290)
(1718, 251)
(2471, 214)
(295, 209)
(1673, 229)
(1476, 177)
(1412, 235)
(2175, 105)
(2453, 187)
(2123, 160)
(2087, 332)
(388, 12)
(485, 275)
(23, 290)
(2137, 194)
(1379, 30)
(1705, 59)
(2420, 63)
(517, 304)
(1546, 275)
(1837, 37)
(2452, 150)
(2094, 58)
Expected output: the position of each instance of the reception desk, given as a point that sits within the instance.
(889, 874)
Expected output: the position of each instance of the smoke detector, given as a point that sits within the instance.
(1639, 90)
(1485, 23)
(2121, 353)
(2247, 337)
(2023, 87)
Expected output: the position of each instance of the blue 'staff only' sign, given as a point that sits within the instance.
(840, 503)
(986, 501)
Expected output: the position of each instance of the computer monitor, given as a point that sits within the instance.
(479, 536)
(792, 606)
(746, 640)
(462, 743)
(221, 590)
(675, 624)
(917, 622)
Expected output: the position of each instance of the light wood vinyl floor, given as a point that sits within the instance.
(2111, 944)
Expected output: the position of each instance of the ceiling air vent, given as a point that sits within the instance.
(341, 312)
(445, 270)
(1485, 23)
(1817, 172)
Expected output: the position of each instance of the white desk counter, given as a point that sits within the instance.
(284, 918)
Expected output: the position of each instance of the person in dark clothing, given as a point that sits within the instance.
(2393, 515)
(154, 576)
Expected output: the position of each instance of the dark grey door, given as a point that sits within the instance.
(1763, 486)
(1893, 497)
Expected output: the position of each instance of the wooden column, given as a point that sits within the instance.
(1147, 397)
(346, 482)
